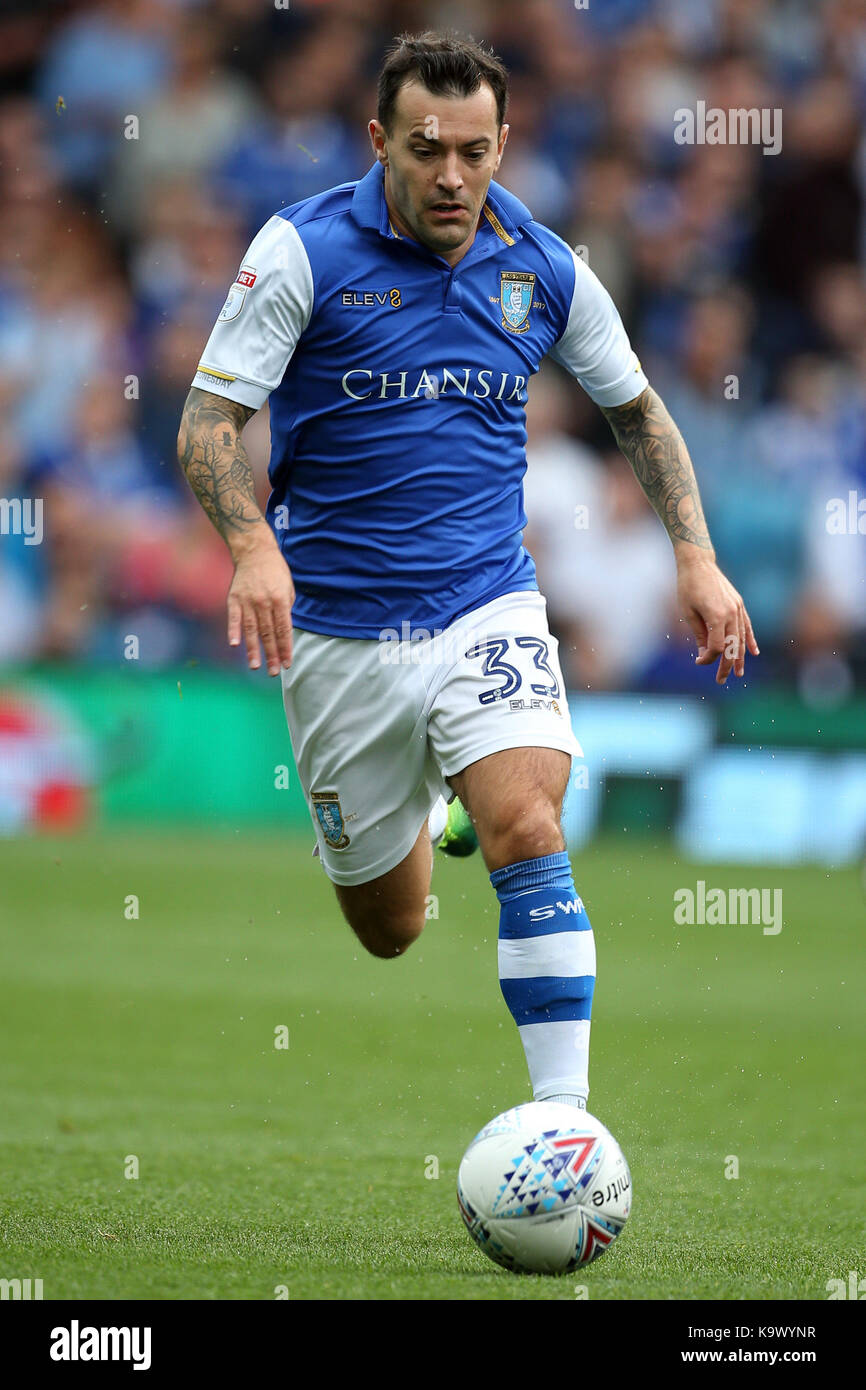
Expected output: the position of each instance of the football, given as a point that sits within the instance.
(544, 1188)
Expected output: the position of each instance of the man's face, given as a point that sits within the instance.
(439, 158)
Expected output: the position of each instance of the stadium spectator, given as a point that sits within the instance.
(187, 128)
(301, 144)
(106, 62)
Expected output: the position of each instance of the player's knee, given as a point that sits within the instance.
(388, 937)
(387, 914)
(384, 932)
(526, 831)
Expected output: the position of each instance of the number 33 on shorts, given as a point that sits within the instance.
(544, 691)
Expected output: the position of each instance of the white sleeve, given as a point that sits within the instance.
(594, 346)
(267, 309)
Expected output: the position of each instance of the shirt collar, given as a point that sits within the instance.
(502, 211)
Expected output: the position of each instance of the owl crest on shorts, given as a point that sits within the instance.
(330, 818)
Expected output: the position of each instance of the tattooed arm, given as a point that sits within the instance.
(657, 452)
(649, 439)
(212, 455)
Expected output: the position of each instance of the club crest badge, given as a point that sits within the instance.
(515, 298)
(233, 305)
(330, 817)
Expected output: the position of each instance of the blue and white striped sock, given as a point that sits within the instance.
(547, 971)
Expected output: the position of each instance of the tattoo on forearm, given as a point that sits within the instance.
(656, 450)
(212, 456)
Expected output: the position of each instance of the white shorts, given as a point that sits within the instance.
(377, 726)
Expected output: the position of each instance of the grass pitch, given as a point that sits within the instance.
(148, 1045)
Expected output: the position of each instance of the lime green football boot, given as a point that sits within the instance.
(458, 837)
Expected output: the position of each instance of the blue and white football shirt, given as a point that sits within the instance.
(397, 387)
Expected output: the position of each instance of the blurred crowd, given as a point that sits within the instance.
(142, 144)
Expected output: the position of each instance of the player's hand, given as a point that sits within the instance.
(260, 605)
(715, 612)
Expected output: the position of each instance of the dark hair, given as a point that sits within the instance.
(446, 63)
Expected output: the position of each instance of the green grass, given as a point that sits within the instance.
(305, 1167)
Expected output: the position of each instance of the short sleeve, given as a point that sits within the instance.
(594, 347)
(266, 311)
